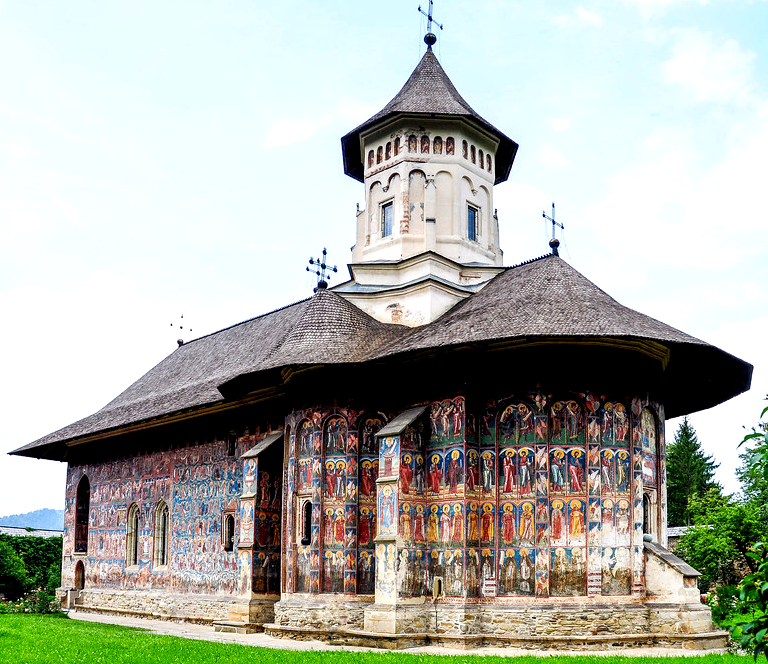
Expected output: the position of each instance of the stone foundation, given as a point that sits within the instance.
(158, 605)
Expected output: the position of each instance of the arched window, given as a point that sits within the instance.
(79, 575)
(473, 153)
(229, 532)
(160, 558)
(488, 163)
(82, 510)
(413, 143)
(425, 144)
(464, 149)
(647, 521)
(388, 151)
(379, 154)
(370, 158)
(397, 146)
(437, 145)
(450, 145)
(132, 536)
(480, 159)
(306, 523)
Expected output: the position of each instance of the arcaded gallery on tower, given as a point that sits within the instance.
(485, 463)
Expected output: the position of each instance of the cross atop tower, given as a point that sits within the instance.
(554, 243)
(430, 38)
(320, 270)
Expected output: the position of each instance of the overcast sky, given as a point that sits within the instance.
(166, 158)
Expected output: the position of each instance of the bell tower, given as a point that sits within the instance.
(428, 236)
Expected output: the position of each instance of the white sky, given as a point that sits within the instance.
(169, 157)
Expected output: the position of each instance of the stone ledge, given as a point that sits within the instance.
(234, 627)
(337, 636)
(149, 615)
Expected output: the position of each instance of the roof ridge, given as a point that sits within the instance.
(247, 320)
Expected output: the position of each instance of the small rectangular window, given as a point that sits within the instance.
(386, 219)
(472, 219)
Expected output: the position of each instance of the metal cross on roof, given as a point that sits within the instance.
(430, 38)
(554, 243)
(320, 270)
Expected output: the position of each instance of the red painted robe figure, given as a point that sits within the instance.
(406, 476)
(509, 474)
(486, 527)
(457, 528)
(508, 527)
(262, 532)
(338, 529)
(557, 524)
(435, 476)
(364, 529)
(366, 480)
(330, 481)
(453, 476)
(418, 528)
(577, 478)
(473, 473)
(264, 490)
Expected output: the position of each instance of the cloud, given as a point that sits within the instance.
(560, 124)
(579, 17)
(708, 71)
(288, 131)
(549, 155)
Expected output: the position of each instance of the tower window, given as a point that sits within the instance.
(397, 146)
(480, 158)
(437, 145)
(464, 149)
(473, 152)
(386, 219)
(370, 158)
(450, 145)
(473, 217)
(412, 143)
(379, 154)
(388, 151)
(488, 162)
(425, 144)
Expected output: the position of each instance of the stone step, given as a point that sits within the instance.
(236, 627)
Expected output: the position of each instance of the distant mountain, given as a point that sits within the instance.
(44, 519)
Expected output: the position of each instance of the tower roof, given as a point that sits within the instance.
(428, 92)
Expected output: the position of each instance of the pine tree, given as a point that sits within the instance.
(689, 472)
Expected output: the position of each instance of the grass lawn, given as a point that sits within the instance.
(32, 639)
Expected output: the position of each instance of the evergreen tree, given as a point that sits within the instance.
(690, 472)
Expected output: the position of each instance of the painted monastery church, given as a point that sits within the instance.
(485, 463)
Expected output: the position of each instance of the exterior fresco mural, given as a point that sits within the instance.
(200, 484)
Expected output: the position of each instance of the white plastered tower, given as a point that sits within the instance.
(428, 236)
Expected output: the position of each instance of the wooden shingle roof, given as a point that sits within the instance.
(428, 91)
(545, 300)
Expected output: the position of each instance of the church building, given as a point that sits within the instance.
(441, 449)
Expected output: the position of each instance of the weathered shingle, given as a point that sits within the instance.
(429, 92)
(544, 299)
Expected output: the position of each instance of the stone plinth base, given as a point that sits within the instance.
(204, 609)
(568, 624)
(710, 641)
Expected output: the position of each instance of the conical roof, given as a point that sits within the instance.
(430, 92)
